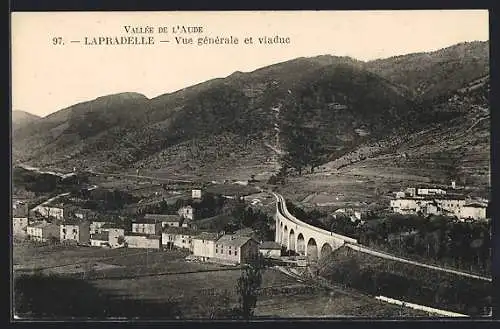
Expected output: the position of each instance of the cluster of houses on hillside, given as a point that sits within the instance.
(150, 231)
(437, 201)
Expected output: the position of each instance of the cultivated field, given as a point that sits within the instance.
(160, 278)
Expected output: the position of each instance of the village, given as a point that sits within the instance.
(438, 201)
(96, 230)
(149, 231)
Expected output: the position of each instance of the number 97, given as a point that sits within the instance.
(57, 41)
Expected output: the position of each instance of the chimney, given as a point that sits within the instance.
(453, 184)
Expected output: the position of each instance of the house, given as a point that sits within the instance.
(95, 226)
(180, 237)
(85, 214)
(99, 239)
(186, 212)
(143, 241)
(204, 245)
(408, 206)
(196, 194)
(167, 220)
(473, 211)
(150, 226)
(76, 231)
(430, 191)
(56, 211)
(20, 227)
(20, 209)
(116, 237)
(116, 234)
(353, 215)
(270, 249)
(43, 231)
(236, 249)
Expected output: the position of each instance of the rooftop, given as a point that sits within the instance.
(72, 221)
(434, 197)
(113, 225)
(179, 230)
(147, 236)
(146, 221)
(207, 236)
(270, 245)
(233, 240)
(162, 218)
(42, 224)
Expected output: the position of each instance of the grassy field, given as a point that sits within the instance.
(164, 280)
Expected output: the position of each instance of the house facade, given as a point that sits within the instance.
(42, 231)
(473, 211)
(270, 249)
(236, 249)
(196, 194)
(96, 226)
(178, 237)
(99, 239)
(186, 212)
(204, 245)
(142, 241)
(75, 231)
(56, 212)
(147, 226)
(116, 236)
(20, 227)
(109, 236)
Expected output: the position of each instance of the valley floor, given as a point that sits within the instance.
(164, 279)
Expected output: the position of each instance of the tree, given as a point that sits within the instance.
(247, 288)
(121, 240)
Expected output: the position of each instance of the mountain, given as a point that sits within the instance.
(444, 150)
(428, 75)
(21, 118)
(229, 125)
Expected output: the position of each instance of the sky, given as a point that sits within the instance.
(47, 77)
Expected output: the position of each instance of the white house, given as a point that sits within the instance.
(143, 241)
(430, 191)
(196, 194)
(180, 237)
(186, 212)
(20, 227)
(204, 245)
(270, 249)
(236, 249)
(50, 211)
(474, 211)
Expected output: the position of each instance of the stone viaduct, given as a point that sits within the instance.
(303, 238)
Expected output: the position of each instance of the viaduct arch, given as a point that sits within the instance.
(305, 239)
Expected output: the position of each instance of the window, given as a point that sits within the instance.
(64, 231)
(216, 251)
(236, 252)
(183, 241)
(74, 231)
(230, 251)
